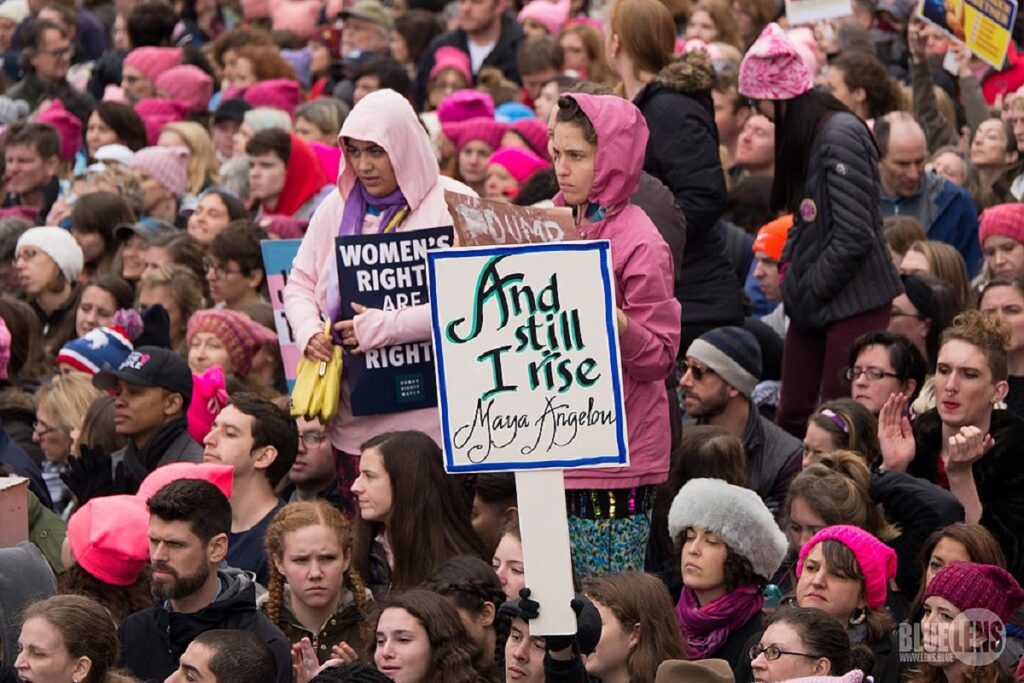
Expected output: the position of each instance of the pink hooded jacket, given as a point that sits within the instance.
(643, 290)
(386, 118)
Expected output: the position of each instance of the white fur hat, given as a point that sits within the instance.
(736, 515)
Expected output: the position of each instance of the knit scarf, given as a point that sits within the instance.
(359, 200)
(707, 627)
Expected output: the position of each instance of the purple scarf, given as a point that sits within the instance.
(352, 224)
(706, 628)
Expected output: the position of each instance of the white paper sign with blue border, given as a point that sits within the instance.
(527, 357)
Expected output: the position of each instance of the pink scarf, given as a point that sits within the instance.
(706, 628)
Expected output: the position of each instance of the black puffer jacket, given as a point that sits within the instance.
(682, 152)
(836, 259)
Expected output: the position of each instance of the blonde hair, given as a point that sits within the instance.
(184, 285)
(119, 180)
(946, 263)
(66, 400)
(202, 163)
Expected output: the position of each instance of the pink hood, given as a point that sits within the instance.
(621, 131)
(387, 119)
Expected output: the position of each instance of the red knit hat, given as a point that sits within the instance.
(242, 336)
(110, 538)
(876, 560)
(486, 130)
(221, 476)
(977, 586)
(1006, 220)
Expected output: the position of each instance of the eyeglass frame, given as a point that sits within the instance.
(321, 436)
(854, 373)
(697, 371)
(757, 650)
(220, 270)
(44, 433)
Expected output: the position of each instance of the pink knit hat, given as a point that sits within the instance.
(209, 396)
(450, 57)
(153, 61)
(552, 15)
(463, 105)
(297, 16)
(279, 93)
(486, 130)
(519, 162)
(188, 85)
(167, 165)
(67, 125)
(876, 560)
(156, 113)
(329, 157)
(5, 348)
(977, 586)
(773, 69)
(221, 476)
(255, 9)
(110, 538)
(1006, 220)
(242, 336)
(535, 132)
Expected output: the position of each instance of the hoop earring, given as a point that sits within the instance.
(858, 617)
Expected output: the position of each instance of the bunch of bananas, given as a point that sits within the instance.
(317, 389)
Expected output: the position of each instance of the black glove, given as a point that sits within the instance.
(90, 476)
(530, 609)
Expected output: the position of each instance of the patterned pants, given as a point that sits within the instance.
(610, 543)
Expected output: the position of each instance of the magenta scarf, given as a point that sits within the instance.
(706, 628)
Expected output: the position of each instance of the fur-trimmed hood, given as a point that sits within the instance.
(13, 399)
(688, 73)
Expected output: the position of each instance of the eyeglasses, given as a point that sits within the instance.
(57, 52)
(312, 439)
(40, 429)
(773, 652)
(218, 268)
(698, 371)
(873, 374)
(26, 254)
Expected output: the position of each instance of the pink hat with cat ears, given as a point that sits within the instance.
(773, 68)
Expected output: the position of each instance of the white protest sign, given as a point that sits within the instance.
(529, 380)
(812, 11)
(480, 222)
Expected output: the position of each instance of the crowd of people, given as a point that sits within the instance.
(818, 252)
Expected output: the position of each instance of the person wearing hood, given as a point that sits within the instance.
(389, 180)
(682, 152)
(285, 175)
(593, 136)
(840, 279)
(189, 523)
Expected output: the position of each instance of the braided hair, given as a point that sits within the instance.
(293, 517)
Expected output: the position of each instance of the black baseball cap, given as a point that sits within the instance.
(233, 110)
(150, 366)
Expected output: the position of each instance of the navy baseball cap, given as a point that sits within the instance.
(150, 366)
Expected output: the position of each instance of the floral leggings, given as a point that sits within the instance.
(609, 529)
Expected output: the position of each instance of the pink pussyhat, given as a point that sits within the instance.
(551, 15)
(486, 130)
(221, 476)
(109, 537)
(297, 16)
(876, 560)
(5, 348)
(519, 162)
(773, 68)
(153, 61)
(156, 113)
(450, 57)
(188, 85)
(279, 93)
(463, 105)
(67, 125)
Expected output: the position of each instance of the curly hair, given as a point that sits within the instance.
(452, 652)
(267, 62)
(470, 584)
(988, 333)
(293, 517)
(120, 601)
(837, 487)
(863, 70)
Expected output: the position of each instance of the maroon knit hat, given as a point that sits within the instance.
(977, 586)
(535, 132)
(242, 336)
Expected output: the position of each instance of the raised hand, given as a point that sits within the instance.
(895, 435)
(965, 448)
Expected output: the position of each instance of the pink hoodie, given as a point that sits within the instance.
(386, 118)
(643, 290)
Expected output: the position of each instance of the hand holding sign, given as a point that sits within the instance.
(347, 330)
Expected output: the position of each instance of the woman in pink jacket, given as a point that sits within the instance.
(593, 149)
(388, 179)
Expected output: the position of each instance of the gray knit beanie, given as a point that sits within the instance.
(734, 355)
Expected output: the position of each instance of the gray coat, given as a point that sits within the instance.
(836, 259)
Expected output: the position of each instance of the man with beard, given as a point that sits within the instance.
(188, 537)
(722, 368)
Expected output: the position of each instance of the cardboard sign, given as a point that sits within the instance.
(812, 11)
(277, 264)
(480, 222)
(527, 357)
(388, 271)
(984, 26)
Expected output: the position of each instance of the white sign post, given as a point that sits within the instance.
(529, 379)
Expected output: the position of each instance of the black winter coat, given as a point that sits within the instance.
(836, 258)
(998, 476)
(682, 152)
(154, 639)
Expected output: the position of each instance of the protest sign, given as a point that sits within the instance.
(529, 381)
(388, 271)
(480, 222)
(812, 11)
(277, 264)
(984, 26)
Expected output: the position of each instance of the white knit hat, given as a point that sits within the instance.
(59, 245)
(736, 515)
